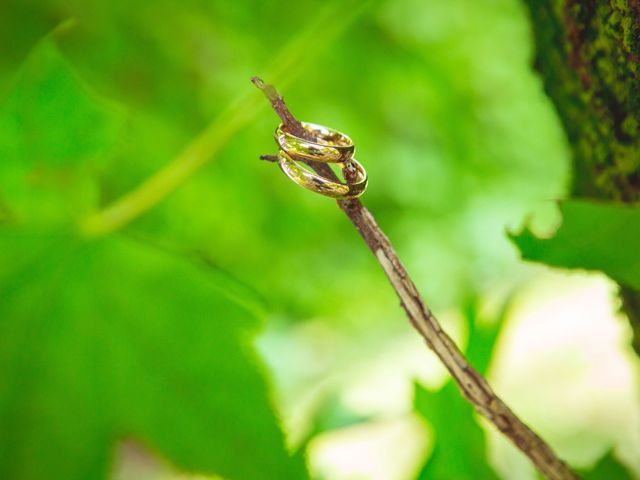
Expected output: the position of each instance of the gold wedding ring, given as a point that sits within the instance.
(321, 185)
(331, 146)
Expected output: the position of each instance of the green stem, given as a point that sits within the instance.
(286, 66)
(171, 176)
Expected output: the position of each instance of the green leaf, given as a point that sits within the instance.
(483, 335)
(608, 468)
(593, 236)
(460, 448)
(332, 414)
(54, 137)
(113, 340)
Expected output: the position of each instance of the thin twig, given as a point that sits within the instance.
(473, 386)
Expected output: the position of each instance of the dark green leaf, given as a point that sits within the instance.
(459, 445)
(460, 449)
(593, 236)
(483, 335)
(608, 468)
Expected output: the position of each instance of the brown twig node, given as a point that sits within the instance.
(269, 158)
(473, 386)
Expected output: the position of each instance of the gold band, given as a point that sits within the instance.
(321, 185)
(332, 146)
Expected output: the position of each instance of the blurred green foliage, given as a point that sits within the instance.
(52, 142)
(145, 332)
(454, 424)
(114, 339)
(439, 118)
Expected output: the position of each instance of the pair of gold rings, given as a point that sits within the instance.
(330, 146)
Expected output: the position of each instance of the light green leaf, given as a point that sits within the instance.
(113, 340)
(332, 414)
(54, 137)
(593, 236)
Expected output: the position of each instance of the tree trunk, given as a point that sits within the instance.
(588, 53)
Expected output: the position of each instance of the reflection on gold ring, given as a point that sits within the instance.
(331, 145)
(321, 185)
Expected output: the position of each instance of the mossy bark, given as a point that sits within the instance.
(588, 53)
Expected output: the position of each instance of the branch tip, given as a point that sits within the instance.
(269, 90)
(257, 81)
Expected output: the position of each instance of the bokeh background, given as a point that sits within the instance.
(461, 145)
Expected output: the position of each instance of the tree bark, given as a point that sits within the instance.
(588, 53)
